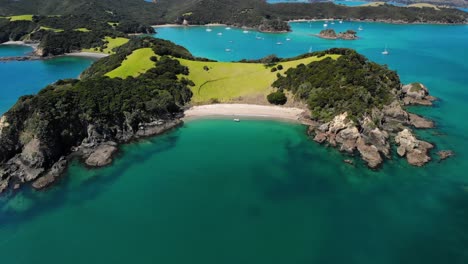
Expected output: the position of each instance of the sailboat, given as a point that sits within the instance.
(341, 21)
(257, 36)
(220, 34)
(209, 30)
(228, 28)
(310, 49)
(360, 28)
(385, 52)
(288, 39)
(325, 24)
(279, 43)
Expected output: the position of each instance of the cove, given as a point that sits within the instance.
(257, 191)
(20, 78)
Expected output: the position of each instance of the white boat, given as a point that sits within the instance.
(288, 39)
(245, 31)
(258, 37)
(360, 28)
(227, 50)
(209, 30)
(325, 25)
(333, 23)
(219, 34)
(228, 28)
(385, 52)
(341, 21)
(279, 43)
(310, 49)
(236, 120)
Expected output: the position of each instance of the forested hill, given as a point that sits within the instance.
(235, 12)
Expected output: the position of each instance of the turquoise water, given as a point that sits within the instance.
(27, 77)
(346, 3)
(216, 191)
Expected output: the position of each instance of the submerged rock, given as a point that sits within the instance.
(445, 154)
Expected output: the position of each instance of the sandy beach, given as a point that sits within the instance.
(22, 43)
(88, 54)
(245, 110)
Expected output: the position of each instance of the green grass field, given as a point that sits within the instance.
(421, 5)
(112, 43)
(135, 64)
(51, 29)
(227, 81)
(82, 30)
(21, 18)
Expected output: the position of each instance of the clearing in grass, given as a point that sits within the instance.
(21, 18)
(135, 64)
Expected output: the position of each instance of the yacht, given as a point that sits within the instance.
(228, 28)
(236, 120)
(209, 30)
(245, 31)
(385, 52)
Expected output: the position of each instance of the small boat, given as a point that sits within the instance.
(385, 52)
(333, 22)
(279, 43)
(227, 50)
(325, 25)
(310, 49)
(360, 28)
(245, 31)
(341, 21)
(209, 30)
(288, 39)
(219, 34)
(258, 37)
(236, 120)
(228, 28)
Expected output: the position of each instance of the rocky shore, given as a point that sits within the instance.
(97, 149)
(371, 137)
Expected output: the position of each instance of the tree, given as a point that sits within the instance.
(277, 98)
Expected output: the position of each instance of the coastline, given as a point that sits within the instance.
(250, 111)
(34, 46)
(393, 22)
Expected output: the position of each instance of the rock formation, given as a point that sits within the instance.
(370, 136)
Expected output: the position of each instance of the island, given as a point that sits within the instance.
(331, 34)
(146, 86)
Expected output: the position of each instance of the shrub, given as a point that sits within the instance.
(280, 67)
(273, 69)
(277, 98)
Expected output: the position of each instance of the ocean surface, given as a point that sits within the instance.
(216, 191)
(28, 77)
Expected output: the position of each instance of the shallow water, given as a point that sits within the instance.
(216, 191)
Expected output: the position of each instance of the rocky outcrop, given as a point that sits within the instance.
(416, 151)
(35, 164)
(51, 176)
(331, 34)
(420, 122)
(416, 94)
(102, 155)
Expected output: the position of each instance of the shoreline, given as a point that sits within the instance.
(34, 46)
(248, 111)
(391, 22)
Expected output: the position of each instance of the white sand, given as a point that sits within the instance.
(88, 54)
(244, 110)
(22, 43)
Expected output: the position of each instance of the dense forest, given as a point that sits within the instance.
(234, 12)
(59, 115)
(350, 84)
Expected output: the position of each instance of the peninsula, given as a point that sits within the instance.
(145, 87)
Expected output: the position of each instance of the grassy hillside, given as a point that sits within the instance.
(135, 64)
(110, 43)
(227, 81)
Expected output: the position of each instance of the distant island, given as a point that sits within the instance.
(331, 34)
